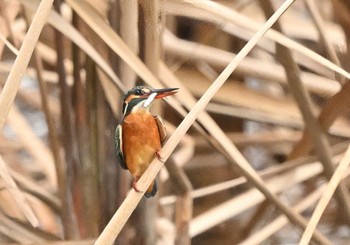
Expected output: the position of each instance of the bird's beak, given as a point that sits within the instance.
(163, 92)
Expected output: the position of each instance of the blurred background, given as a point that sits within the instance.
(283, 112)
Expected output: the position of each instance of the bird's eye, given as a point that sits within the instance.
(138, 92)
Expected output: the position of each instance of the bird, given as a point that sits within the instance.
(139, 135)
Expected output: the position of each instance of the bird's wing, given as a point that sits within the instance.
(119, 145)
(161, 127)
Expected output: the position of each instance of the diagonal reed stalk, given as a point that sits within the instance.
(332, 185)
(17, 194)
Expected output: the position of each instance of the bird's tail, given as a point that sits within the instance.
(152, 189)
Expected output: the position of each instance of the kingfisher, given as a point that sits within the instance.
(139, 135)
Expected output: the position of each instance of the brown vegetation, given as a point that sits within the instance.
(258, 132)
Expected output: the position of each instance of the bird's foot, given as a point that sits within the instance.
(134, 185)
(158, 155)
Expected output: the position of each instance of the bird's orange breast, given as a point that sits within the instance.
(140, 141)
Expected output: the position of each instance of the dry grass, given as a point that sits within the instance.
(258, 132)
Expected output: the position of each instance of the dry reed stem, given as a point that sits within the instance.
(17, 232)
(97, 23)
(60, 24)
(212, 132)
(167, 77)
(312, 126)
(184, 202)
(20, 65)
(34, 145)
(170, 80)
(53, 139)
(277, 203)
(320, 25)
(8, 44)
(119, 219)
(332, 185)
(146, 75)
(33, 99)
(151, 40)
(270, 229)
(193, 51)
(118, 46)
(52, 132)
(105, 32)
(129, 33)
(9, 12)
(183, 212)
(6, 17)
(252, 197)
(47, 53)
(335, 107)
(341, 129)
(239, 31)
(36, 190)
(216, 134)
(232, 16)
(48, 76)
(69, 143)
(9, 182)
(212, 189)
(17, 195)
(231, 94)
(71, 242)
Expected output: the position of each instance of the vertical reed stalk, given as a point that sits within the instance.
(71, 230)
(84, 112)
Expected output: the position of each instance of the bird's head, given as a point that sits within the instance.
(141, 97)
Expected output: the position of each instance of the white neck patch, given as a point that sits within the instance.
(149, 100)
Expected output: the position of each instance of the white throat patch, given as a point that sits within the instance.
(149, 100)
